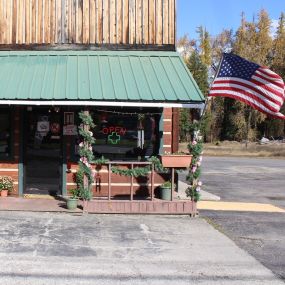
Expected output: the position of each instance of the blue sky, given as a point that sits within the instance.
(218, 14)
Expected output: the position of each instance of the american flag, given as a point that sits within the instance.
(250, 83)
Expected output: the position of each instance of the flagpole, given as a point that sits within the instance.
(216, 74)
(248, 118)
(217, 70)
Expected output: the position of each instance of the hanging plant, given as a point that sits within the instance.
(196, 150)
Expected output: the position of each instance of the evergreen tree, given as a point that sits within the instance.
(263, 39)
(272, 127)
(240, 42)
(199, 72)
(278, 60)
(205, 46)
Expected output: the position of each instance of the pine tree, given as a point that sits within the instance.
(277, 127)
(240, 42)
(263, 39)
(199, 72)
(278, 56)
(205, 46)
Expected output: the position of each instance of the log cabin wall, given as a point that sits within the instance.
(11, 167)
(167, 130)
(88, 22)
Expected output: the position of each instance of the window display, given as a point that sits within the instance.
(126, 135)
(5, 134)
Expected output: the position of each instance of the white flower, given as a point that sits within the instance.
(199, 183)
(198, 189)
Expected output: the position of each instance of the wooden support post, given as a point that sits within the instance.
(172, 183)
(109, 181)
(86, 146)
(152, 182)
(132, 184)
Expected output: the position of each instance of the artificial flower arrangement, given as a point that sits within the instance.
(196, 149)
(6, 185)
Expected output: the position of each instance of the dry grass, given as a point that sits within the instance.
(228, 148)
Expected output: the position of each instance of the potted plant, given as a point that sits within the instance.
(6, 185)
(176, 160)
(165, 191)
(72, 201)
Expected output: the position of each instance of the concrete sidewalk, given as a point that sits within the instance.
(59, 248)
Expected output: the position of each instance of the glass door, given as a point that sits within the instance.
(43, 151)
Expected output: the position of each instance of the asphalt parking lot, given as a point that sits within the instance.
(255, 180)
(61, 249)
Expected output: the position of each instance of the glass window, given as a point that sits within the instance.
(125, 135)
(5, 134)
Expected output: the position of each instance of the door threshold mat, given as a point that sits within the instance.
(39, 196)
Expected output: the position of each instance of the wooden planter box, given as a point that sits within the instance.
(176, 160)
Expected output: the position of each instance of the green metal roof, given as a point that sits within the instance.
(97, 76)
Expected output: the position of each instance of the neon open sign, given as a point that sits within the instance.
(114, 129)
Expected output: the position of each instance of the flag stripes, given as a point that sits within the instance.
(250, 83)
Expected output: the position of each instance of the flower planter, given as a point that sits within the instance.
(4, 193)
(165, 193)
(71, 204)
(176, 160)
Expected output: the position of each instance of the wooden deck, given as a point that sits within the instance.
(44, 204)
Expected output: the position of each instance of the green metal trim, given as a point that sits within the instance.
(64, 167)
(92, 53)
(63, 181)
(161, 125)
(21, 156)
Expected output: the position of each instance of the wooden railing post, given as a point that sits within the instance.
(152, 182)
(132, 184)
(172, 183)
(109, 181)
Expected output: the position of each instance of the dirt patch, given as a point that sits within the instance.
(227, 148)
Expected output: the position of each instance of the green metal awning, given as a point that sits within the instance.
(96, 78)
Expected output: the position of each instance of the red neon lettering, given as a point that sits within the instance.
(111, 129)
(123, 131)
(105, 131)
(119, 130)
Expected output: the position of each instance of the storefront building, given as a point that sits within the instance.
(115, 59)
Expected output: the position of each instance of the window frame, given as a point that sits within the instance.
(74, 158)
(11, 156)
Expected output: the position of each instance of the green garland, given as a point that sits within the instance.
(86, 156)
(141, 171)
(193, 191)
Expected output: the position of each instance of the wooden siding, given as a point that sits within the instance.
(88, 22)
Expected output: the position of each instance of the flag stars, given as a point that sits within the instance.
(235, 66)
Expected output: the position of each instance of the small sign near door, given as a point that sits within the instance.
(68, 118)
(70, 130)
(43, 126)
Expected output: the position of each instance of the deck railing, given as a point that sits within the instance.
(132, 164)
